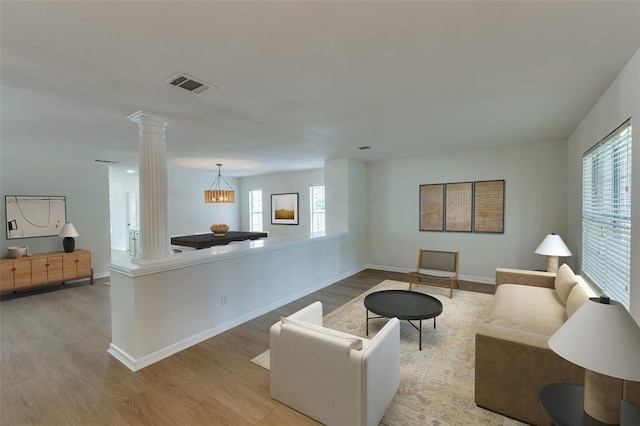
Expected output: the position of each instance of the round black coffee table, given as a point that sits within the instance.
(404, 305)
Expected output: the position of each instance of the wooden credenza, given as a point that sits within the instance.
(44, 268)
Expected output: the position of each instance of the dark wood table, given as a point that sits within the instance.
(404, 305)
(563, 404)
(201, 241)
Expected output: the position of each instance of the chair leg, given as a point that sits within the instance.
(457, 286)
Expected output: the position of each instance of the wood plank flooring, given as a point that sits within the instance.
(54, 368)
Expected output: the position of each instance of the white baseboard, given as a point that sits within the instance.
(122, 356)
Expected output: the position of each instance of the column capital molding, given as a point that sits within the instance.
(138, 116)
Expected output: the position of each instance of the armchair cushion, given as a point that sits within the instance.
(355, 343)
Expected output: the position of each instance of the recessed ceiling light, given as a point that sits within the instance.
(364, 147)
(131, 171)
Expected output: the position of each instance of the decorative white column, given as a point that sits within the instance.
(155, 242)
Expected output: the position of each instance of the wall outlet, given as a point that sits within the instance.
(223, 299)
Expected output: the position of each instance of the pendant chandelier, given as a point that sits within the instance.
(215, 194)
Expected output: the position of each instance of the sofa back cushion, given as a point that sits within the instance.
(565, 281)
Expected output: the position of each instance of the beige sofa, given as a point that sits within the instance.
(513, 361)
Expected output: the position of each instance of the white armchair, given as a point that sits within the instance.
(334, 377)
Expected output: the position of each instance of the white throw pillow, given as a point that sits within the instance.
(575, 300)
(565, 280)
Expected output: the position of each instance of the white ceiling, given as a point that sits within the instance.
(301, 82)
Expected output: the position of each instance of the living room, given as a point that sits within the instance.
(542, 175)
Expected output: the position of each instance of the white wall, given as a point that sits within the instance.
(534, 177)
(346, 204)
(619, 102)
(535, 192)
(85, 184)
(158, 310)
(161, 308)
(279, 183)
(188, 213)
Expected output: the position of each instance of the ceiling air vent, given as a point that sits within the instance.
(189, 83)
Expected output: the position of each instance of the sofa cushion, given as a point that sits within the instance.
(527, 308)
(576, 298)
(565, 280)
(356, 342)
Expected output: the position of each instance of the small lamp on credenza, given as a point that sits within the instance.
(553, 247)
(68, 231)
(602, 337)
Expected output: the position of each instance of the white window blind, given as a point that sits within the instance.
(606, 214)
(317, 208)
(255, 210)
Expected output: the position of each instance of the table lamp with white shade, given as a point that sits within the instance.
(553, 247)
(68, 231)
(602, 337)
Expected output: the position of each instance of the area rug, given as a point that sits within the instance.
(437, 383)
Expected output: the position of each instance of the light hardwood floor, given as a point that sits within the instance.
(54, 368)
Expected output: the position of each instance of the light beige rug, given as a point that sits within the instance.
(437, 383)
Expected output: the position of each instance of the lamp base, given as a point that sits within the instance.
(552, 263)
(69, 244)
(602, 396)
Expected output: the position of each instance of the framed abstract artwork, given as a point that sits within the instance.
(463, 207)
(488, 214)
(432, 207)
(284, 209)
(29, 216)
(458, 206)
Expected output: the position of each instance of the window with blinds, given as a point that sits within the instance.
(317, 208)
(606, 214)
(255, 210)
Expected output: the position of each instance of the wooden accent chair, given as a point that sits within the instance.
(437, 268)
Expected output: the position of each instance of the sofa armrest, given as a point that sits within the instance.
(381, 372)
(510, 369)
(525, 277)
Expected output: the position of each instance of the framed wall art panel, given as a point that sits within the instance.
(489, 206)
(29, 216)
(284, 209)
(459, 207)
(432, 207)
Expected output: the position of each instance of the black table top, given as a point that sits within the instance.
(563, 404)
(200, 241)
(403, 304)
